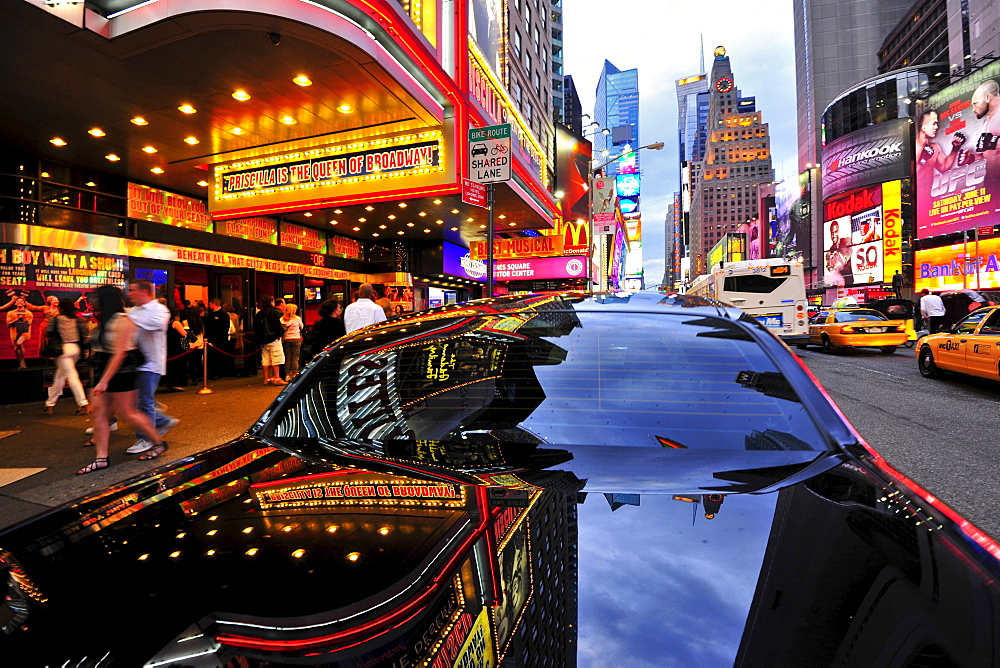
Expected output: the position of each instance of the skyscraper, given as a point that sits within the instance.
(737, 159)
(854, 33)
(616, 107)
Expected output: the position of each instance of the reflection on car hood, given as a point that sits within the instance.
(527, 531)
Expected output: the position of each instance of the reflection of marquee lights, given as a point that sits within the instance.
(378, 492)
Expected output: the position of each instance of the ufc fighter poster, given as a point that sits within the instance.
(956, 156)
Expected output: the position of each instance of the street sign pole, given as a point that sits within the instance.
(489, 241)
(490, 158)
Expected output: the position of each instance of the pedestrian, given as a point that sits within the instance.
(897, 284)
(268, 336)
(72, 332)
(328, 328)
(217, 334)
(177, 345)
(196, 330)
(291, 340)
(364, 311)
(115, 362)
(931, 310)
(151, 320)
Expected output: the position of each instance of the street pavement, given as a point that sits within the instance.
(40, 454)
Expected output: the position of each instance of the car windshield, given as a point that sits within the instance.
(854, 316)
(557, 376)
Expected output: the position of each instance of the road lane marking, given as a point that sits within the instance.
(8, 476)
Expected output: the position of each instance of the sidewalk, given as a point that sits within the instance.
(40, 454)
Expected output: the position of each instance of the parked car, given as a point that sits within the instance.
(971, 346)
(557, 479)
(855, 328)
(899, 309)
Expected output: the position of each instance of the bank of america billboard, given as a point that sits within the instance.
(867, 157)
(957, 156)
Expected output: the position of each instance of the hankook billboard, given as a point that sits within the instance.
(867, 157)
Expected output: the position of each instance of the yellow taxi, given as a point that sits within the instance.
(972, 346)
(835, 328)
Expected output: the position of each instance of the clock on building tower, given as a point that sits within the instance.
(724, 84)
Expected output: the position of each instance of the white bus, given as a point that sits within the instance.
(771, 290)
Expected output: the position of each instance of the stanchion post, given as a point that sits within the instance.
(205, 389)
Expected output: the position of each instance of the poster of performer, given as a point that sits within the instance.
(956, 155)
(34, 279)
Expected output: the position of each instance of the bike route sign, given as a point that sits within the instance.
(489, 153)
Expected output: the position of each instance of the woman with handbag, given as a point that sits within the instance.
(66, 332)
(115, 359)
(177, 345)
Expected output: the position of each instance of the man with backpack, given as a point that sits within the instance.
(268, 332)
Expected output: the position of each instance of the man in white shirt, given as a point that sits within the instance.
(151, 319)
(363, 312)
(931, 309)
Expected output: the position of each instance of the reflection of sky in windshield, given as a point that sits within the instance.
(628, 378)
(656, 591)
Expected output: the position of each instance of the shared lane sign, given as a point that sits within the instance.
(489, 153)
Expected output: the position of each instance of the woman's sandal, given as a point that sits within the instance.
(96, 465)
(82, 410)
(153, 452)
(90, 443)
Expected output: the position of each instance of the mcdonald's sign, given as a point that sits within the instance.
(576, 237)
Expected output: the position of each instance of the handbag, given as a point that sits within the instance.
(53, 347)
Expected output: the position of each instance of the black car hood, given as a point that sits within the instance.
(246, 552)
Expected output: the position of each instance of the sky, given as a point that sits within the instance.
(662, 40)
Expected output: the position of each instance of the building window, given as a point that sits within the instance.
(538, 84)
(537, 41)
(517, 92)
(517, 43)
(527, 62)
(527, 16)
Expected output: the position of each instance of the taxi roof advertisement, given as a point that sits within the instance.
(957, 158)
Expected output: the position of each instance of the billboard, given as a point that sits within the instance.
(861, 236)
(458, 261)
(867, 157)
(973, 265)
(957, 157)
(34, 278)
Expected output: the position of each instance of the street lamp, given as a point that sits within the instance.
(595, 171)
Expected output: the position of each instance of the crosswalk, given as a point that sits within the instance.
(8, 476)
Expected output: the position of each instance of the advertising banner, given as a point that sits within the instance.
(867, 157)
(345, 247)
(159, 206)
(458, 261)
(257, 228)
(957, 157)
(961, 266)
(854, 236)
(303, 238)
(604, 193)
(529, 269)
(518, 247)
(32, 281)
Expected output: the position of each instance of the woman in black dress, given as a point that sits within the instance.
(328, 328)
